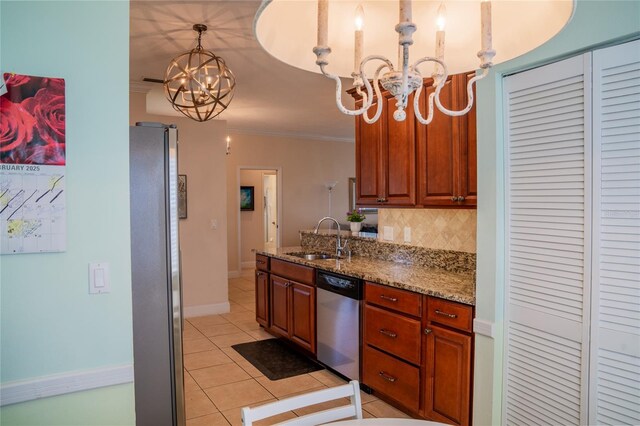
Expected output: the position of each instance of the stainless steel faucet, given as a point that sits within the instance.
(339, 247)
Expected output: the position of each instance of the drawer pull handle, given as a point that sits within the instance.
(262, 262)
(446, 314)
(387, 377)
(390, 299)
(427, 331)
(388, 333)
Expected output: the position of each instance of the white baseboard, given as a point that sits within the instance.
(201, 310)
(60, 384)
(251, 264)
(234, 274)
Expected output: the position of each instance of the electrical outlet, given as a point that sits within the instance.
(388, 233)
(407, 234)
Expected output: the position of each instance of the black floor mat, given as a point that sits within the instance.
(275, 360)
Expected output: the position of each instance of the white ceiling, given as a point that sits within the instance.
(271, 97)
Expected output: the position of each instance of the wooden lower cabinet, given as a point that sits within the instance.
(419, 360)
(262, 298)
(396, 379)
(448, 376)
(303, 316)
(293, 311)
(279, 306)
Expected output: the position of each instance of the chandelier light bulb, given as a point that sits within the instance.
(359, 17)
(441, 20)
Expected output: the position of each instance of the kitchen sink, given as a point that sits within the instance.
(313, 256)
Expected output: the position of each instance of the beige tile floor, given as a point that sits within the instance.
(218, 381)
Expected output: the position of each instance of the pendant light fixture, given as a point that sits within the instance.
(198, 83)
(474, 31)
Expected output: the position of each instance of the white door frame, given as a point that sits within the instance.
(278, 171)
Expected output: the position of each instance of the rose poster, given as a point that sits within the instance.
(32, 165)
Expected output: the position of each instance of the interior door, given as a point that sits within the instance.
(548, 244)
(615, 331)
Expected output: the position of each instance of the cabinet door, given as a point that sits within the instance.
(448, 376)
(437, 151)
(468, 160)
(303, 315)
(369, 158)
(279, 305)
(262, 298)
(399, 157)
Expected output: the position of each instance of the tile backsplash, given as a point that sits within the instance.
(444, 229)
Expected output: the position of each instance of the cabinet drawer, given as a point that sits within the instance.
(453, 314)
(262, 262)
(393, 333)
(388, 297)
(396, 379)
(300, 273)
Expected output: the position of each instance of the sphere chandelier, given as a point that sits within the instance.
(198, 83)
(521, 26)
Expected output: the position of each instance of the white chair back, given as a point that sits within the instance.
(353, 409)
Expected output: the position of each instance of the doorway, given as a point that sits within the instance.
(259, 228)
(269, 195)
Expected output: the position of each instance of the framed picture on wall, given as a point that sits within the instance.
(182, 196)
(246, 198)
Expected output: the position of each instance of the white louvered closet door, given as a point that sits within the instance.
(546, 318)
(615, 351)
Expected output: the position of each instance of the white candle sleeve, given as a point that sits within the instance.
(440, 45)
(323, 22)
(359, 37)
(485, 23)
(405, 11)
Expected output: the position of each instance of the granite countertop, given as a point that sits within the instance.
(455, 286)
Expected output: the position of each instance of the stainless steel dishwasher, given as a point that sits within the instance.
(338, 327)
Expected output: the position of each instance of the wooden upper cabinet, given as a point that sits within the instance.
(385, 157)
(399, 157)
(437, 151)
(369, 158)
(468, 151)
(447, 149)
(404, 163)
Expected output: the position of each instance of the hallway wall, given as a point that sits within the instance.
(306, 165)
(203, 234)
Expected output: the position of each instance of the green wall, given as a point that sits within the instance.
(594, 23)
(49, 322)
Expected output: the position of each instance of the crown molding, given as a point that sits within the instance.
(141, 86)
(290, 135)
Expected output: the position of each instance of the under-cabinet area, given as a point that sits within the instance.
(414, 337)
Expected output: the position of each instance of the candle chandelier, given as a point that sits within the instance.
(529, 24)
(198, 83)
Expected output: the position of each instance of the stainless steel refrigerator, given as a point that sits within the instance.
(155, 271)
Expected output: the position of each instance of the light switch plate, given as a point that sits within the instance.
(388, 233)
(99, 278)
